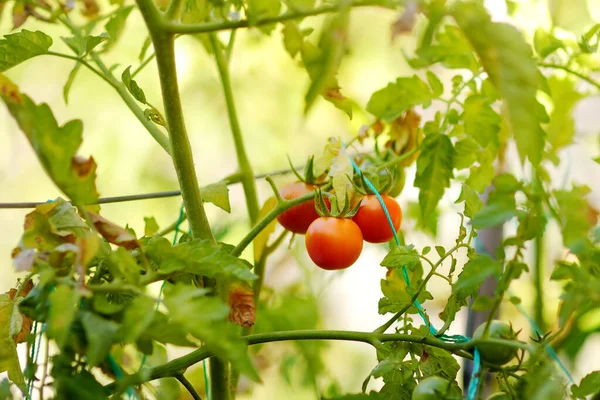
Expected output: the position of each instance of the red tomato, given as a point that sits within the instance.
(372, 221)
(297, 219)
(333, 243)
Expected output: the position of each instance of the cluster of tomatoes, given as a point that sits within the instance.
(336, 242)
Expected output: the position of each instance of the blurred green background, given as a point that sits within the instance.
(269, 89)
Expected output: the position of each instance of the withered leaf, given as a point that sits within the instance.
(27, 322)
(241, 305)
(114, 233)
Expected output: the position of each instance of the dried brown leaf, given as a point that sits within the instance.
(241, 304)
(114, 233)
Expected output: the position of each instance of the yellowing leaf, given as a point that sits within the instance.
(56, 147)
(9, 359)
(341, 174)
(260, 242)
(217, 194)
(114, 233)
(323, 162)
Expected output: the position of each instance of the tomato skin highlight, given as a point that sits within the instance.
(298, 218)
(372, 221)
(496, 354)
(333, 243)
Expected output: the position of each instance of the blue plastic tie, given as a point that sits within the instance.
(472, 392)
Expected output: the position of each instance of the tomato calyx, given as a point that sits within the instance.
(331, 207)
(308, 177)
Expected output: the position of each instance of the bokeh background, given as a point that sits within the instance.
(269, 89)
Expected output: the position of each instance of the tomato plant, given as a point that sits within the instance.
(334, 243)
(372, 220)
(479, 145)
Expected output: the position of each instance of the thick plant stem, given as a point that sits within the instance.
(538, 272)
(245, 169)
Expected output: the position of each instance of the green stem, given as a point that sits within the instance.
(85, 64)
(179, 365)
(173, 11)
(263, 223)
(539, 282)
(572, 72)
(143, 65)
(189, 387)
(132, 103)
(204, 27)
(247, 175)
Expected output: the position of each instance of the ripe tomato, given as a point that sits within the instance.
(333, 243)
(372, 221)
(436, 388)
(297, 219)
(493, 353)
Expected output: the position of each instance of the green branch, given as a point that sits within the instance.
(179, 28)
(189, 387)
(179, 365)
(572, 72)
(263, 223)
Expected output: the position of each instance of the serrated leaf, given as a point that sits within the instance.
(21, 46)
(451, 49)
(507, 59)
(63, 308)
(574, 223)
(494, 214)
(150, 226)
(261, 240)
(82, 45)
(100, 334)
(481, 175)
(434, 170)
(473, 274)
(56, 146)
(590, 384)
(209, 324)
(466, 153)
(199, 257)
(137, 318)
(398, 294)
(392, 101)
(401, 256)
(292, 38)
(217, 194)
(132, 86)
(125, 264)
(472, 201)
(437, 87)
(70, 80)
(481, 121)
(116, 25)
(10, 320)
(439, 362)
(562, 126)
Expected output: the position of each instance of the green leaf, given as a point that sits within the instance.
(21, 46)
(137, 317)
(434, 170)
(437, 88)
(482, 303)
(293, 38)
(123, 264)
(217, 194)
(359, 396)
(100, 334)
(481, 175)
(10, 325)
(261, 9)
(472, 201)
(571, 15)
(82, 45)
(466, 153)
(473, 274)
(56, 146)
(150, 226)
(81, 385)
(507, 59)
(590, 384)
(392, 101)
(398, 294)
(401, 256)
(70, 80)
(562, 126)
(481, 121)
(206, 318)
(164, 330)
(494, 214)
(132, 86)
(116, 25)
(63, 307)
(451, 49)
(199, 257)
(574, 222)
(545, 43)
(439, 362)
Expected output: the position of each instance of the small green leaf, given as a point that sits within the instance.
(545, 43)
(439, 362)
(472, 201)
(132, 86)
(293, 38)
(481, 121)
(494, 214)
(440, 250)
(150, 226)
(261, 9)
(482, 175)
(392, 101)
(21, 46)
(434, 170)
(473, 274)
(507, 59)
(116, 25)
(426, 250)
(63, 308)
(590, 384)
(217, 194)
(574, 222)
(451, 49)
(126, 265)
(56, 147)
(100, 334)
(401, 256)
(562, 126)
(82, 45)
(437, 88)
